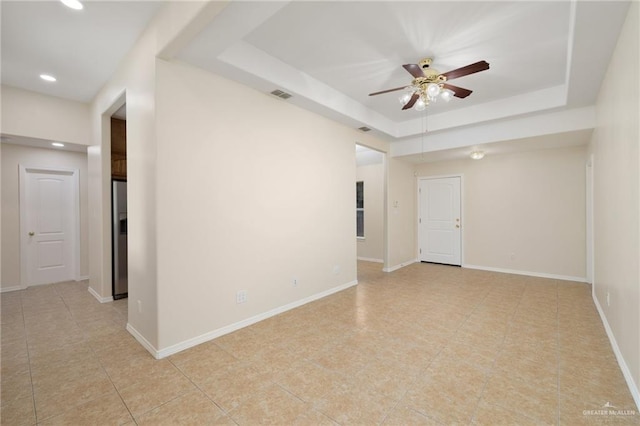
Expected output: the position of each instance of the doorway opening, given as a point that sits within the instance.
(370, 212)
(119, 223)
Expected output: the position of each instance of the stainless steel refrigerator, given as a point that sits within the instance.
(119, 238)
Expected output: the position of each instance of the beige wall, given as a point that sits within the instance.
(371, 247)
(153, 170)
(134, 80)
(35, 115)
(524, 211)
(616, 151)
(401, 214)
(13, 156)
(252, 192)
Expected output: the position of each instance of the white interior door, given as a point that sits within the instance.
(440, 221)
(48, 224)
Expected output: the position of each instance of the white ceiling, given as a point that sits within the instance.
(367, 156)
(359, 48)
(81, 48)
(546, 56)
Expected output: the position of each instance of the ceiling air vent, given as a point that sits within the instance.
(281, 94)
(364, 128)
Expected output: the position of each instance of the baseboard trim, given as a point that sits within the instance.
(370, 259)
(100, 298)
(8, 289)
(82, 278)
(633, 387)
(400, 265)
(178, 347)
(528, 273)
(144, 342)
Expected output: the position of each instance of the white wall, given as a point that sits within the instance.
(252, 192)
(530, 205)
(35, 115)
(616, 150)
(372, 246)
(12, 156)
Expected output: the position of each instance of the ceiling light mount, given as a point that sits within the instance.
(48, 77)
(477, 155)
(73, 4)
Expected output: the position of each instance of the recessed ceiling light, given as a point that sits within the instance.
(477, 155)
(73, 4)
(47, 77)
(58, 144)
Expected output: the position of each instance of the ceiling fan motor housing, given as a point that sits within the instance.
(429, 73)
(425, 63)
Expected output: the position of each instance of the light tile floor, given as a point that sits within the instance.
(427, 344)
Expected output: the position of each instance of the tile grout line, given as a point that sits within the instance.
(226, 413)
(497, 355)
(96, 357)
(26, 341)
(558, 351)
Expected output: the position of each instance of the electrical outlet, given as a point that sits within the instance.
(295, 282)
(608, 299)
(336, 270)
(512, 257)
(241, 296)
(139, 306)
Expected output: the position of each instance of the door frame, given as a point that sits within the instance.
(75, 217)
(462, 212)
(385, 185)
(590, 275)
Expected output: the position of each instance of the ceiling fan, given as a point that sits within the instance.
(428, 84)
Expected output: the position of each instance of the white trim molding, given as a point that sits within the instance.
(82, 278)
(400, 265)
(633, 386)
(144, 342)
(8, 289)
(370, 259)
(189, 343)
(528, 273)
(100, 299)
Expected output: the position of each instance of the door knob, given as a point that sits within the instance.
(31, 234)
(457, 226)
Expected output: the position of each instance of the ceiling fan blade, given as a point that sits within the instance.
(411, 102)
(458, 92)
(469, 69)
(387, 91)
(414, 70)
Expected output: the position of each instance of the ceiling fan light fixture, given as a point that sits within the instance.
(477, 155)
(433, 90)
(446, 95)
(429, 84)
(405, 97)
